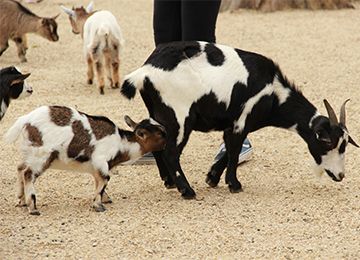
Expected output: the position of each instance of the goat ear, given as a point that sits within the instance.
(130, 122)
(67, 10)
(141, 133)
(321, 129)
(351, 141)
(323, 135)
(44, 21)
(90, 7)
(19, 78)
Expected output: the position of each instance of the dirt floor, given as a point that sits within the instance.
(285, 212)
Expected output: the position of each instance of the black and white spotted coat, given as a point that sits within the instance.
(202, 86)
(12, 86)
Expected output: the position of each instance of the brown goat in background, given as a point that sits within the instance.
(16, 20)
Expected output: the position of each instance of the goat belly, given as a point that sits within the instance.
(72, 166)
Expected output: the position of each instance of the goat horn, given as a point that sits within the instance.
(332, 116)
(351, 141)
(343, 113)
(67, 10)
(56, 16)
(90, 7)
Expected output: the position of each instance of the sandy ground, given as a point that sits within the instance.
(284, 211)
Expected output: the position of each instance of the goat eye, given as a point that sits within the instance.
(140, 133)
(329, 145)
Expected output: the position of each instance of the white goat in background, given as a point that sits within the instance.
(102, 39)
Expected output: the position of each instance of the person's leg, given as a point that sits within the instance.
(244, 156)
(199, 23)
(167, 21)
(198, 19)
(167, 28)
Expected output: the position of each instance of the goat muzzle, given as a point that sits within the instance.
(55, 38)
(334, 178)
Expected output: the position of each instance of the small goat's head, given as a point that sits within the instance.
(149, 134)
(329, 144)
(48, 29)
(78, 16)
(13, 80)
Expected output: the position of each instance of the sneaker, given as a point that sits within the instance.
(147, 159)
(245, 153)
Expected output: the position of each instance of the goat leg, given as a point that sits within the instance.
(164, 173)
(21, 44)
(101, 181)
(233, 144)
(115, 63)
(30, 197)
(20, 186)
(216, 170)
(3, 47)
(90, 70)
(105, 198)
(100, 75)
(115, 74)
(171, 159)
(108, 67)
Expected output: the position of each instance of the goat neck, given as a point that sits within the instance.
(28, 23)
(295, 114)
(81, 20)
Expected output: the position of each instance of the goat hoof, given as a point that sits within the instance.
(99, 208)
(35, 212)
(211, 182)
(169, 185)
(116, 85)
(90, 81)
(235, 188)
(188, 194)
(109, 201)
(21, 204)
(102, 91)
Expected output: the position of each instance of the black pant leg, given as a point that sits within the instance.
(167, 21)
(199, 19)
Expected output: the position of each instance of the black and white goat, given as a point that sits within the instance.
(63, 138)
(201, 86)
(12, 86)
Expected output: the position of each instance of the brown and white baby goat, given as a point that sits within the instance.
(16, 20)
(63, 138)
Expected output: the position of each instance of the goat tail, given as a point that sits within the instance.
(103, 37)
(14, 131)
(106, 36)
(132, 82)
